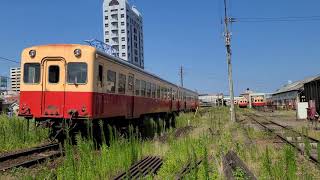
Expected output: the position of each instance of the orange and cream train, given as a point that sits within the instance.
(78, 82)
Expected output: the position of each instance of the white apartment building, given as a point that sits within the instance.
(15, 77)
(123, 30)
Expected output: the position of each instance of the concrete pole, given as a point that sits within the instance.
(228, 46)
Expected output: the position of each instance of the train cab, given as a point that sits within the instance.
(243, 103)
(258, 102)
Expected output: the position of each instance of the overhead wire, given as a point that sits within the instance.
(278, 19)
(9, 60)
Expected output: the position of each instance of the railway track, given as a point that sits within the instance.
(187, 169)
(29, 157)
(293, 138)
(231, 163)
(147, 166)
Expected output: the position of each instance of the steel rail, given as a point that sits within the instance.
(187, 169)
(290, 129)
(313, 159)
(29, 157)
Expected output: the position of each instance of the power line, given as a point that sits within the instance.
(9, 60)
(277, 19)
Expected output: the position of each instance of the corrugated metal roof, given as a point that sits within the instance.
(296, 86)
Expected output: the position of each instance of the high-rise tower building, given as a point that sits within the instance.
(15, 77)
(123, 30)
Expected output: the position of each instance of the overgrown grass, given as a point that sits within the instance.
(15, 134)
(86, 162)
(211, 138)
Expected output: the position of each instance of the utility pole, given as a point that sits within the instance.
(227, 34)
(181, 76)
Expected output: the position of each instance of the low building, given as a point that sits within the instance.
(312, 93)
(290, 94)
(211, 99)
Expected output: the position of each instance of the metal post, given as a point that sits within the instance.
(227, 20)
(181, 76)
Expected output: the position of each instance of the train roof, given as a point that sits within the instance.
(123, 62)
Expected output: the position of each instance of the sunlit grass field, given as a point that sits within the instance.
(15, 134)
(211, 137)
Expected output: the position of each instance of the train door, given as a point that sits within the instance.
(130, 92)
(53, 87)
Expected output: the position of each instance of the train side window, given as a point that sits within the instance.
(100, 75)
(54, 74)
(143, 88)
(130, 83)
(122, 84)
(77, 73)
(137, 87)
(153, 90)
(111, 81)
(158, 92)
(148, 89)
(31, 73)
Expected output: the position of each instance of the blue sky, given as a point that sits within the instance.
(188, 33)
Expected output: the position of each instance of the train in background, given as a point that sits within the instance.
(70, 83)
(258, 102)
(243, 102)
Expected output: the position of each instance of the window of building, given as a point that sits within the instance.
(107, 40)
(122, 84)
(113, 3)
(123, 46)
(107, 32)
(77, 73)
(123, 31)
(54, 74)
(123, 54)
(106, 17)
(106, 25)
(143, 88)
(31, 73)
(122, 15)
(111, 81)
(130, 83)
(122, 8)
(114, 10)
(148, 89)
(122, 23)
(123, 39)
(136, 59)
(137, 87)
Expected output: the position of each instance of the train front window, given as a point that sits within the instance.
(54, 74)
(31, 73)
(77, 73)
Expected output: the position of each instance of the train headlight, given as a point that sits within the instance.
(32, 53)
(77, 52)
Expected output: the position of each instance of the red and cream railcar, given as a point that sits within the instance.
(258, 102)
(243, 103)
(80, 82)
